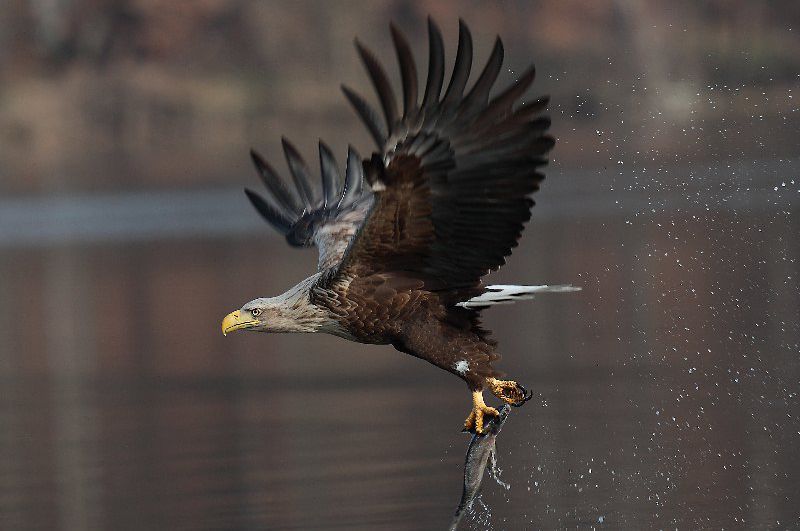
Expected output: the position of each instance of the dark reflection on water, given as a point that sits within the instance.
(666, 391)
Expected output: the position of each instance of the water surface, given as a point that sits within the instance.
(665, 391)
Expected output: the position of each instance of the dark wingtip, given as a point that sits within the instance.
(462, 66)
(408, 70)
(362, 51)
(256, 158)
(380, 83)
(284, 199)
(432, 26)
(259, 162)
(299, 171)
(463, 30)
(291, 152)
(367, 115)
(269, 213)
(435, 79)
(354, 177)
(397, 35)
(498, 45)
(478, 96)
(329, 171)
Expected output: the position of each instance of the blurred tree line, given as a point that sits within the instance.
(130, 94)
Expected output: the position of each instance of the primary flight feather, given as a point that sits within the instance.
(405, 236)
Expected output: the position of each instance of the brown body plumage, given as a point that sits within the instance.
(406, 236)
(388, 308)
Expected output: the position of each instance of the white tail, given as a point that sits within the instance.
(507, 294)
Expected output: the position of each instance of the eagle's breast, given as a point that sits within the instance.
(372, 309)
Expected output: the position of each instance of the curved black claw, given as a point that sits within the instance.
(526, 395)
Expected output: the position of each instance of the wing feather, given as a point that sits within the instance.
(408, 71)
(329, 222)
(501, 105)
(433, 86)
(368, 115)
(354, 178)
(274, 216)
(277, 188)
(462, 67)
(452, 184)
(448, 193)
(331, 178)
(300, 173)
(479, 94)
(381, 84)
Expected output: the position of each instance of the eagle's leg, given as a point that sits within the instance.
(509, 391)
(479, 410)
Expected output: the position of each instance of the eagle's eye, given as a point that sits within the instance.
(256, 312)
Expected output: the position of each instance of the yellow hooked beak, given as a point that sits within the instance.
(233, 321)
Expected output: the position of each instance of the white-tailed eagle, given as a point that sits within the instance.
(405, 236)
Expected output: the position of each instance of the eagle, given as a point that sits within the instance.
(406, 235)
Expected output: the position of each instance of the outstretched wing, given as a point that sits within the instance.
(328, 219)
(454, 173)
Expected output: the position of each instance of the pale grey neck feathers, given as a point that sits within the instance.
(291, 311)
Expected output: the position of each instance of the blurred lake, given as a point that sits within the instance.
(666, 392)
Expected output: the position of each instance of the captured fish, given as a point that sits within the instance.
(481, 449)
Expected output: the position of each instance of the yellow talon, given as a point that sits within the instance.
(479, 410)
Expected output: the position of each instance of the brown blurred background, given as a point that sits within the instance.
(666, 391)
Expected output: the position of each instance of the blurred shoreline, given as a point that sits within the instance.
(745, 187)
(157, 94)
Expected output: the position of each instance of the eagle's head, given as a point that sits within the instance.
(284, 313)
(251, 316)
